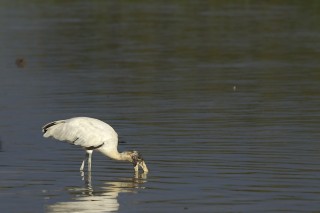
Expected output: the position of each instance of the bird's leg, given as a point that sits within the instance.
(84, 160)
(89, 152)
(87, 158)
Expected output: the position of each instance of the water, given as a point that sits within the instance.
(222, 99)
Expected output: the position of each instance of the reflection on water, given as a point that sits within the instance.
(103, 199)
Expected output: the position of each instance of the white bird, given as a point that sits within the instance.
(92, 134)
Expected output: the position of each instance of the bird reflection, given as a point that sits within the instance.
(103, 199)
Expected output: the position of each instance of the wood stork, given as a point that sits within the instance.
(92, 134)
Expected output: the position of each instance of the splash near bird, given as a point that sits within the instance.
(92, 134)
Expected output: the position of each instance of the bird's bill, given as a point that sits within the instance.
(141, 164)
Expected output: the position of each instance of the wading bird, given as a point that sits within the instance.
(92, 134)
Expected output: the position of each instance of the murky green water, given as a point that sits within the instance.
(221, 98)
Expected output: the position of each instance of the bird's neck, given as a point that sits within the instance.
(113, 153)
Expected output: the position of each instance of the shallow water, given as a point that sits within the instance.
(222, 99)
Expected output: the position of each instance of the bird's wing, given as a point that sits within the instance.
(86, 132)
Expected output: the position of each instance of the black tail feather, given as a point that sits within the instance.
(47, 126)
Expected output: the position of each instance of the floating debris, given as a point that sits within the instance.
(21, 62)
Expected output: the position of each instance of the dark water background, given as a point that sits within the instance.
(221, 97)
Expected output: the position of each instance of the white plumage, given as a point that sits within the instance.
(92, 134)
(83, 131)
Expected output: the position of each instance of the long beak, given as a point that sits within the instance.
(143, 165)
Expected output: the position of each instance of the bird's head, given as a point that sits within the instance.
(136, 159)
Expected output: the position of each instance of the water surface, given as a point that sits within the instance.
(221, 98)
